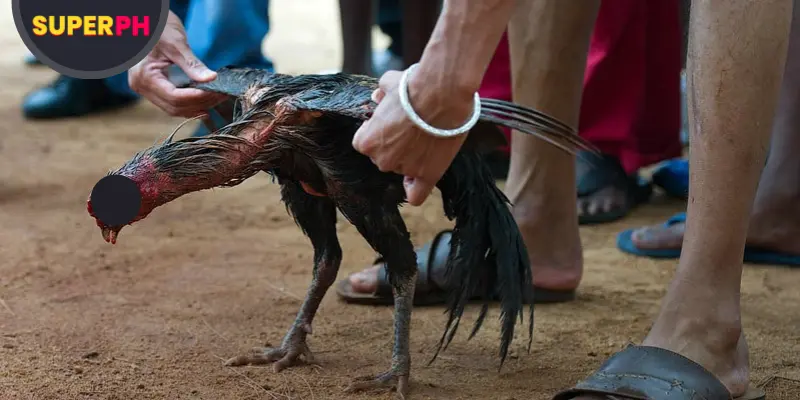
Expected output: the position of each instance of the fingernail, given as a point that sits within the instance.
(205, 73)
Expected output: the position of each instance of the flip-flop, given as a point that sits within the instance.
(625, 241)
(673, 177)
(752, 254)
(652, 373)
(431, 286)
(595, 172)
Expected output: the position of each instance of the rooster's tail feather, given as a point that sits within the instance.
(488, 256)
(532, 122)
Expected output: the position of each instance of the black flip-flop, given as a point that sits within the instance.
(431, 285)
(652, 373)
(595, 172)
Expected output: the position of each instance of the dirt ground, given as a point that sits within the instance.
(216, 273)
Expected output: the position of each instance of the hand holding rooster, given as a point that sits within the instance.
(395, 144)
(440, 90)
(149, 77)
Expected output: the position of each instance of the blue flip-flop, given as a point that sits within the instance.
(625, 242)
(673, 177)
(752, 255)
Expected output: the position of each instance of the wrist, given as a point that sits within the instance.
(440, 100)
(452, 79)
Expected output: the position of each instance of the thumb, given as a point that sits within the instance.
(183, 57)
(417, 190)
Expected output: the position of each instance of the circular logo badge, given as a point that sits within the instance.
(90, 39)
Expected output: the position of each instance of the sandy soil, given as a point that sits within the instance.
(217, 273)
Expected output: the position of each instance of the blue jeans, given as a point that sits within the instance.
(220, 33)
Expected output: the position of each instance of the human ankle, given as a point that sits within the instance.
(554, 247)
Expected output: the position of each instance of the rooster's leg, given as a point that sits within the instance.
(386, 232)
(316, 216)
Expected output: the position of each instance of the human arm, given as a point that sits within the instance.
(441, 91)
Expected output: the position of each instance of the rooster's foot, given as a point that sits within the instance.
(385, 381)
(288, 355)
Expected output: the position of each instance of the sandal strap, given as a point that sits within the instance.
(678, 218)
(650, 373)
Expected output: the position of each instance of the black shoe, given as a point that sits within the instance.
(72, 97)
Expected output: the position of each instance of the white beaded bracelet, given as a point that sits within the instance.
(417, 120)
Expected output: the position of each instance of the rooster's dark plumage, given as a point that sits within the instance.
(300, 129)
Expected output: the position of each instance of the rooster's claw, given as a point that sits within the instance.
(281, 357)
(385, 381)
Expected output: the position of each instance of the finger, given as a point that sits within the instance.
(360, 138)
(180, 53)
(180, 111)
(135, 75)
(389, 81)
(378, 95)
(183, 99)
(417, 190)
(368, 137)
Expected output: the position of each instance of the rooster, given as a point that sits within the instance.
(299, 129)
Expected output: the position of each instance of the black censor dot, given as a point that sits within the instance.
(116, 200)
(90, 39)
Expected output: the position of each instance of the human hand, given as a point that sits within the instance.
(395, 144)
(149, 77)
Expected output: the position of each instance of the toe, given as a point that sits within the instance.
(658, 237)
(365, 281)
(261, 357)
(582, 206)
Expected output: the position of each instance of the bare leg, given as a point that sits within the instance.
(549, 42)
(387, 234)
(737, 52)
(775, 217)
(357, 20)
(317, 217)
(775, 221)
(685, 8)
(419, 19)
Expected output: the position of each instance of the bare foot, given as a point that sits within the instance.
(774, 225)
(711, 336)
(606, 192)
(607, 200)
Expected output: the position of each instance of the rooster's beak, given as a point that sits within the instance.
(110, 234)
